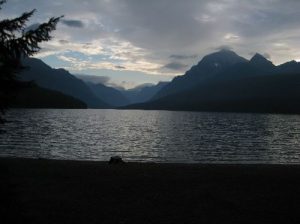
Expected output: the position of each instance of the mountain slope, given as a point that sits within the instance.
(143, 93)
(109, 95)
(207, 68)
(37, 97)
(261, 63)
(292, 67)
(273, 94)
(254, 86)
(59, 80)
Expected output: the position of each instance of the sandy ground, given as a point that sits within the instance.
(49, 191)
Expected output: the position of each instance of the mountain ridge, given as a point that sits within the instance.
(109, 95)
(246, 86)
(59, 80)
(207, 67)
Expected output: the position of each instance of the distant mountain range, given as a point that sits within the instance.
(118, 97)
(60, 80)
(224, 81)
(221, 81)
(143, 93)
(109, 95)
(92, 95)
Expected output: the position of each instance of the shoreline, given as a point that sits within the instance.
(159, 163)
(66, 191)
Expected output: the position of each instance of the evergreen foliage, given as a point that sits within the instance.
(17, 42)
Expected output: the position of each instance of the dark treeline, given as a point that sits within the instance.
(34, 96)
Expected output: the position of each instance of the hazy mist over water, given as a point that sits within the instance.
(151, 136)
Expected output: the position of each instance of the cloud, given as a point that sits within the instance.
(141, 86)
(205, 19)
(144, 36)
(223, 47)
(62, 45)
(75, 64)
(231, 37)
(73, 23)
(175, 66)
(183, 57)
(64, 41)
(105, 80)
(267, 55)
(120, 67)
(125, 85)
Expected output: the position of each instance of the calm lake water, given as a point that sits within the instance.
(151, 136)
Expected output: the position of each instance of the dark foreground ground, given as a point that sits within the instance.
(45, 191)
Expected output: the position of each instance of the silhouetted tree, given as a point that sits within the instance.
(17, 42)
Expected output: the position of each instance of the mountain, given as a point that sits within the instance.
(207, 68)
(261, 63)
(247, 86)
(289, 67)
(143, 92)
(256, 66)
(60, 80)
(109, 95)
(119, 97)
(37, 97)
(271, 94)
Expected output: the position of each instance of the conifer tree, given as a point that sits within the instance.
(17, 42)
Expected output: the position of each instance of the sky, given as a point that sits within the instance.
(130, 42)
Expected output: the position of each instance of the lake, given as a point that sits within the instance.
(151, 136)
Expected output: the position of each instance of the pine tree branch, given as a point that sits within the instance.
(9, 26)
(15, 43)
(28, 43)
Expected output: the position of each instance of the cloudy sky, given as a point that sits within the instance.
(141, 41)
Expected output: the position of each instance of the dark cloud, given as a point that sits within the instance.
(177, 66)
(224, 47)
(120, 67)
(73, 23)
(64, 41)
(183, 57)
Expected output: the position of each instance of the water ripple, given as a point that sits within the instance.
(155, 136)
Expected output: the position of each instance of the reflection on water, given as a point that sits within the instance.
(156, 136)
